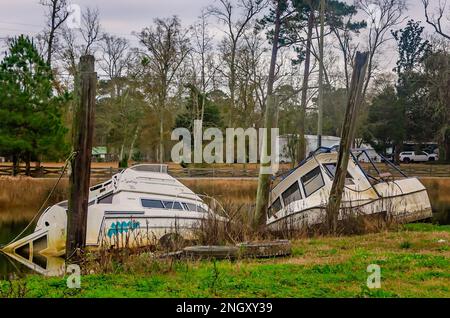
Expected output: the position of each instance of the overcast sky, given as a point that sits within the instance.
(122, 17)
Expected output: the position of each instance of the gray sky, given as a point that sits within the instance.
(121, 17)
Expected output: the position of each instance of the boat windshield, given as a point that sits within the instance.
(171, 205)
(330, 168)
(376, 170)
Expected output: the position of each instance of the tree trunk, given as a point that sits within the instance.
(161, 138)
(446, 147)
(232, 86)
(447, 151)
(15, 167)
(28, 165)
(51, 35)
(202, 115)
(121, 153)
(263, 191)
(130, 153)
(301, 152)
(50, 47)
(398, 149)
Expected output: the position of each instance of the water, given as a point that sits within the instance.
(8, 231)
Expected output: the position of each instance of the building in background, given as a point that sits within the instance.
(99, 154)
(286, 143)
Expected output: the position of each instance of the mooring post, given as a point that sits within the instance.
(354, 100)
(82, 135)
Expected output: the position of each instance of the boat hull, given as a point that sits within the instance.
(401, 207)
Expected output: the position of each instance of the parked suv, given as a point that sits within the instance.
(417, 156)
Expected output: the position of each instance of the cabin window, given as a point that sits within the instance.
(291, 194)
(153, 204)
(64, 204)
(96, 187)
(275, 207)
(194, 208)
(331, 171)
(312, 181)
(172, 205)
(106, 199)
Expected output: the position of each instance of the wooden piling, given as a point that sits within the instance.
(354, 100)
(82, 136)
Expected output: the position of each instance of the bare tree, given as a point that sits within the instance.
(343, 29)
(435, 20)
(252, 61)
(69, 52)
(115, 58)
(383, 15)
(202, 60)
(167, 46)
(90, 30)
(56, 14)
(236, 25)
(73, 46)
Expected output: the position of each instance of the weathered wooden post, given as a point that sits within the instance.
(354, 100)
(82, 134)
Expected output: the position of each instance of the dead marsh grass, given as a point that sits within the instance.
(20, 197)
(238, 191)
(439, 192)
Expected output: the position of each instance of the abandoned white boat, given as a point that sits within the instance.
(139, 206)
(300, 198)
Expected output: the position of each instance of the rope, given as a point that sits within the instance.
(45, 201)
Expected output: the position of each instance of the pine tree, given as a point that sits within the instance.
(412, 50)
(30, 115)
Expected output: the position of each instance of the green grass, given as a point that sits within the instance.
(426, 227)
(319, 267)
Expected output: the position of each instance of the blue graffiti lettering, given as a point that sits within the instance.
(122, 227)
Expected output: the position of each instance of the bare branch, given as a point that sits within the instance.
(435, 20)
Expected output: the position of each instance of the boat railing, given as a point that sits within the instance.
(373, 165)
(150, 167)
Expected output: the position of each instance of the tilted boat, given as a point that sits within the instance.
(300, 198)
(139, 206)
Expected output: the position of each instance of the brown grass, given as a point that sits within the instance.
(22, 196)
(239, 191)
(438, 189)
(439, 192)
(171, 165)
